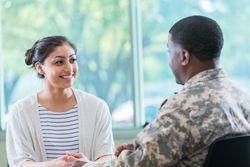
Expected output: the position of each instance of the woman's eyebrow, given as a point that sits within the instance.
(60, 57)
(72, 55)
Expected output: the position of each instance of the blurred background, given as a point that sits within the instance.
(122, 53)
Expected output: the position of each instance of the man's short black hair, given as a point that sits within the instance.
(199, 35)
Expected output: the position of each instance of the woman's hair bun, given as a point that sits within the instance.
(29, 56)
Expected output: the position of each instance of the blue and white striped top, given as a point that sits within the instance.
(60, 131)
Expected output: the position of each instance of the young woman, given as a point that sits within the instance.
(47, 128)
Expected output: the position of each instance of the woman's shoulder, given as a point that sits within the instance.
(24, 103)
(87, 97)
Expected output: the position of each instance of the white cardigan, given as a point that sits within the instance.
(24, 137)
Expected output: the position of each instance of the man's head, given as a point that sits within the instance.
(195, 45)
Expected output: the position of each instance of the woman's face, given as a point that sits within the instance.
(60, 67)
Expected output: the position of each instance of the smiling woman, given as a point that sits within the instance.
(55, 118)
(60, 68)
(100, 30)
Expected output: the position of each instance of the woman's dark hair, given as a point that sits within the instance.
(199, 35)
(43, 47)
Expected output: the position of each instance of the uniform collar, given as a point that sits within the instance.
(205, 76)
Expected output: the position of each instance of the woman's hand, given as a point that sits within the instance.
(59, 162)
(124, 147)
(76, 159)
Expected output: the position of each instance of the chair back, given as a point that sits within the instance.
(233, 151)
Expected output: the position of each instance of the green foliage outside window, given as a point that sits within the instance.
(101, 31)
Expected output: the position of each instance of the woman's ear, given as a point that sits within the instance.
(39, 68)
(185, 57)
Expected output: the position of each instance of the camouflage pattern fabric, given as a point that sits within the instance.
(208, 107)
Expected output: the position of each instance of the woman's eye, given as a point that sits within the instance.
(59, 62)
(72, 60)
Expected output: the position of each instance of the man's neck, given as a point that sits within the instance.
(200, 66)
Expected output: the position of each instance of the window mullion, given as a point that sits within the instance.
(2, 97)
(136, 37)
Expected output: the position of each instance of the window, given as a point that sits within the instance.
(101, 31)
(122, 51)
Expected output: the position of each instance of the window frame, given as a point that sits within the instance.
(136, 45)
(137, 71)
(2, 97)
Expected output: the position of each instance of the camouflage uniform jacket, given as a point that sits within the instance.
(207, 107)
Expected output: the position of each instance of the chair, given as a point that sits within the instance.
(231, 151)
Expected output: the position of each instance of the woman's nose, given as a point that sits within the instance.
(68, 67)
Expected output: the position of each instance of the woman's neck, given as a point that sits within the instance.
(57, 94)
(57, 99)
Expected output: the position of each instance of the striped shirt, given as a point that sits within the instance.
(59, 131)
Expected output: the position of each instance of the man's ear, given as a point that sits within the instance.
(39, 68)
(185, 57)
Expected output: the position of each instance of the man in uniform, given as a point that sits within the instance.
(208, 107)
